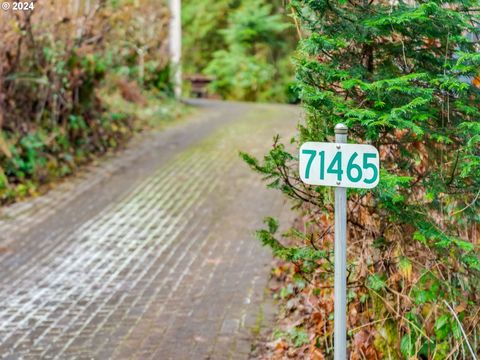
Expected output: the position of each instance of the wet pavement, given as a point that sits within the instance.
(149, 254)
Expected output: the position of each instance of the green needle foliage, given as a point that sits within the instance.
(402, 76)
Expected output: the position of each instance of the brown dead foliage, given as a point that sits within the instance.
(131, 92)
(48, 56)
(53, 61)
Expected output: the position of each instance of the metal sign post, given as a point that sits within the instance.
(343, 166)
(340, 250)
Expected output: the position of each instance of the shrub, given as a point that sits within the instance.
(53, 60)
(400, 76)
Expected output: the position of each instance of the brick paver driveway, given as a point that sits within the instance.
(149, 255)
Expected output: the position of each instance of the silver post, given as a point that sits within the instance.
(340, 301)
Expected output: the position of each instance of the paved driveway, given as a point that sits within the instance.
(150, 254)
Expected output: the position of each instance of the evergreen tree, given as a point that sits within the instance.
(402, 76)
(201, 21)
(250, 65)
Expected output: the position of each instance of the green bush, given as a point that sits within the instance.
(400, 76)
(52, 69)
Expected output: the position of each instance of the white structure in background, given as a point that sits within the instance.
(176, 45)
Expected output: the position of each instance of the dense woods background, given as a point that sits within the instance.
(244, 46)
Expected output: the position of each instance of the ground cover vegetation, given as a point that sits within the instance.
(61, 65)
(403, 76)
(244, 46)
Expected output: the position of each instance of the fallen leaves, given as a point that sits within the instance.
(363, 346)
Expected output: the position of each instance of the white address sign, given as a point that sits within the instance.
(336, 164)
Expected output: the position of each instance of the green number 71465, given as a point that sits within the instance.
(354, 171)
